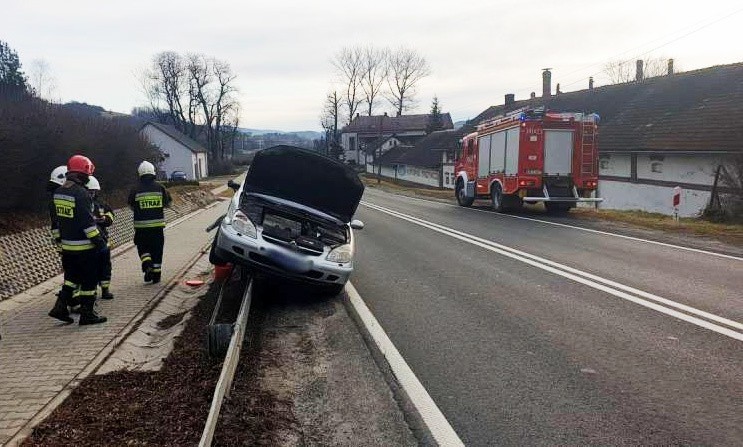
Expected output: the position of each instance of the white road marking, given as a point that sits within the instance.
(574, 227)
(437, 424)
(596, 282)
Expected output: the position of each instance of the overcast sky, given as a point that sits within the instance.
(281, 50)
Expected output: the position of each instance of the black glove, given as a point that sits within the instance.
(100, 244)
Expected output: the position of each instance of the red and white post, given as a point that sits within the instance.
(676, 203)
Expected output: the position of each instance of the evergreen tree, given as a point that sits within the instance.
(435, 119)
(10, 67)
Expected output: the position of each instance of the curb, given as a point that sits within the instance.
(424, 417)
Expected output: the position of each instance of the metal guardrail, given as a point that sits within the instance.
(228, 368)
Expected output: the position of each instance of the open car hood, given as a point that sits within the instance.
(305, 177)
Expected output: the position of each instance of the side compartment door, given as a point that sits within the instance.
(558, 152)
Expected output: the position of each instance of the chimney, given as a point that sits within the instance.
(670, 67)
(532, 95)
(510, 99)
(590, 83)
(546, 82)
(638, 74)
(557, 92)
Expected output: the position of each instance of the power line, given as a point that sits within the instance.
(658, 47)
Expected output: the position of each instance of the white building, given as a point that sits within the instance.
(179, 152)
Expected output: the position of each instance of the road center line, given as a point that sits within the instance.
(575, 227)
(596, 282)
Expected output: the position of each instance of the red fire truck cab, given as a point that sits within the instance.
(530, 156)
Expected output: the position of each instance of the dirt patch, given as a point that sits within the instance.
(166, 407)
(171, 320)
(308, 380)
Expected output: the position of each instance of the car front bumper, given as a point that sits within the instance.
(276, 260)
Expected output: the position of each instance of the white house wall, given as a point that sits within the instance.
(179, 157)
(428, 177)
(694, 171)
(650, 198)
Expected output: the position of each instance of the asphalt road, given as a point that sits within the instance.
(527, 333)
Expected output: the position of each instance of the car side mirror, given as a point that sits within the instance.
(357, 224)
(233, 185)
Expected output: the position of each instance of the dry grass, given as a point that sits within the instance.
(731, 233)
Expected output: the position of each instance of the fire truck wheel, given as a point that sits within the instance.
(496, 198)
(462, 199)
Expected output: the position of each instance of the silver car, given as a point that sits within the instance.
(292, 218)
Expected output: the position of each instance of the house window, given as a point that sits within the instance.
(604, 162)
(352, 143)
(656, 166)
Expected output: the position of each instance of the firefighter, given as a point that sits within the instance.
(104, 218)
(57, 179)
(80, 241)
(147, 201)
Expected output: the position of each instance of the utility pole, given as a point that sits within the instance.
(379, 141)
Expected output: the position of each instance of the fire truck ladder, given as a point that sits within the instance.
(588, 148)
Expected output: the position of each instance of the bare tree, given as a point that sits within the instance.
(329, 118)
(197, 95)
(349, 69)
(406, 69)
(374, 72)
(42, 82)
(211, 88)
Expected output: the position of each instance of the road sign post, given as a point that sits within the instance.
(676, 203)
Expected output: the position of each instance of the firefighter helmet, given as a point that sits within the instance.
(93, 184)
(59, 175)
(146, 168)
(81, 164)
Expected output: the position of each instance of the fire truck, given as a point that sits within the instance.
(530, 156)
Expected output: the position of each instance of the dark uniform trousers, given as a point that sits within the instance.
(80, 270)
(150, 243)
(104, 212)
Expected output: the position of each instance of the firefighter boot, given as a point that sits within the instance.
(59, 311)
(106, 294)
(73, 303)
(88, 314)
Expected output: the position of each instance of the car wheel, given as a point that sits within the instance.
(496, 198)
(462, 198)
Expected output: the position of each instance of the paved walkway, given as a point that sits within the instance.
(41, 360)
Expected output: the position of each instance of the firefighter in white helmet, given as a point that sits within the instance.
(104, 218)
(148, 200)
(57, 178)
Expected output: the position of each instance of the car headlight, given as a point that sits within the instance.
(341, 255)
(243, 225)
(230, 211)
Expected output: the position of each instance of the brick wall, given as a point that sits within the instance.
(29, 258)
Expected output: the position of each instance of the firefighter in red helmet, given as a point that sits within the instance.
(80, 241)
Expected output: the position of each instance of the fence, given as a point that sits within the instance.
(29, 258)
